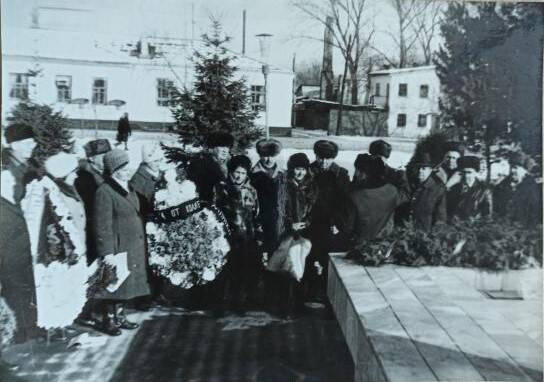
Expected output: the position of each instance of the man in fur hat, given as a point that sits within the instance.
(332, 188)
(470, 198)
(208, 169)
(518, 196)
(16, 272)
(270, 182)
(429, 199)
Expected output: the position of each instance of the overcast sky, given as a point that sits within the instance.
(172, 18)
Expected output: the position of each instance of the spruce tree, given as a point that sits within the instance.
(50, 129)
(218, 102)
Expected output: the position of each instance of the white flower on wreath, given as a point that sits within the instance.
(175, 192)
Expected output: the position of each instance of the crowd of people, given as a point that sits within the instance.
(78, 214)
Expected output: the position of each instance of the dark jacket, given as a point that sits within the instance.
(521, 203)
(300, 202)
(118, 227)
(206, 173)
(271, 191)
(20, 172)
(371, 211)
(87, 182)
(16, 274)
(429, 203)
(123, 129)
(469, 202)
(143, 182)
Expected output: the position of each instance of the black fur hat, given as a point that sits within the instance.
(268, 147)
(219, 139)
(298, 160)
(371, 165)
(239, 161)
(469, 161)
(325, 149)
(380, 147)
(454, 146)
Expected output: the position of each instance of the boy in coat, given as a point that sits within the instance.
(118, 228)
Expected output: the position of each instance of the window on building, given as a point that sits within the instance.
(421, 120)
(165, 91)
(403, 90)
(19, 85)
(64, 88)
(257, 98)
(401, 120)
(100, 91)
(424, 91)
(377, 92)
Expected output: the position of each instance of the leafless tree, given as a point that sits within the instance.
(308, 73)
(426, 26)
(410, 21)
(349, 19)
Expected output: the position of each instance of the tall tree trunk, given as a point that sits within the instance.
(354, 85)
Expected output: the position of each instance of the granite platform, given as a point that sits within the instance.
(433, 324)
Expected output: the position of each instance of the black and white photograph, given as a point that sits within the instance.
(271, 191)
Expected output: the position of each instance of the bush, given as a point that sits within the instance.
(485, 244)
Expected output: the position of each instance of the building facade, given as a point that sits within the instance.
(93, 79)
(411, 97)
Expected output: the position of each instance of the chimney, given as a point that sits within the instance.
(327, 76)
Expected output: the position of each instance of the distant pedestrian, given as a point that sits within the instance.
(518, 197)
(119, 229)
(123, 130)
(469, 198)
(429, 199)
(209, 168)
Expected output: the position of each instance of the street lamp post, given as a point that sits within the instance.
(264, 45)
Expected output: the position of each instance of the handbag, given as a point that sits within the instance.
(290, 257)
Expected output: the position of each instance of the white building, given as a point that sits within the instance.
(411, 98)
(93, 78)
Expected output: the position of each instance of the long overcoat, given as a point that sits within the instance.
(87, 182)
(143, 182)
(271, 190)
(119, 227)
(429, 203)
(300, 202)
(16, 275)
(469, 202)
(521, 203)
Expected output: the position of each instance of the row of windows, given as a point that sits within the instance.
(421, 120)
(403, 90)
(165, 90)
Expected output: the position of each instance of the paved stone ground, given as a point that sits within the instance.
(177, 345)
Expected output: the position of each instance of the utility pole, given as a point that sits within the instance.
(244, 32)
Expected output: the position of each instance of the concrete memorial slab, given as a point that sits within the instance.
(432, 324)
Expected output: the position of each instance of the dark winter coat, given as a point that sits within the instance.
(429, 203)
(87, 182)
(144, 182)
(271, 191)
(206, 173)
(16, 274)
(119, 227)
(332, 195)
(20, 172)
(371, 212)
(521, 203)
(469, 202)
(123, 129)
(300, 202)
